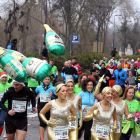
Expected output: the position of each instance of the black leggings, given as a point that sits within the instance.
(86, 126)
(127, 135)
(47, 115)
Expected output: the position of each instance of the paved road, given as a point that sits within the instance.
(33, 133)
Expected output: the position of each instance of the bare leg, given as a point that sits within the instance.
(21, 134)
(41, 132)
(10, 136)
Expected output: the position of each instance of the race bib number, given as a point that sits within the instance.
(102, 131)
(118, 127)
(86, 110)
(1, 95)
(72, 125)
(61, 132)
(111, 71)
(69, 77)
(19, 106)
(44, 97)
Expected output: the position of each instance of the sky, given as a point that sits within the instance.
(118, 19)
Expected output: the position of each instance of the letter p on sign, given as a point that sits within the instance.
(74, 37)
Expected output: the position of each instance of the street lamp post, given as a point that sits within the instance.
(114, 31)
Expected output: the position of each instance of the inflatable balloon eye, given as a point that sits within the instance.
(54, 42)
(19, 56)
(36, 68)
(12, 66)
(139, 50)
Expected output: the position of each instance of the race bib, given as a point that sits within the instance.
(102, 131)
(69, 77)
(138, 85)
(126, 69)
(118, 126)
(44, 97)
(132, 86)
(32, 79)
(61, 132)
(111, 71)
(72, 124)
(124, 118)
(19, 106)
(1, 95)
(86, 109)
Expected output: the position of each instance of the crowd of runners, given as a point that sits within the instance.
(102, 105)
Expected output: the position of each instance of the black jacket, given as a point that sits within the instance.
(25, 95)
(69, 71)
(106, 73)
(13, 45)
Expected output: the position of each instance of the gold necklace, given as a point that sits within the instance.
(60, 101)
(106, 104)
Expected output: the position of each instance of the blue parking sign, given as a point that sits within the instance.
(75, 39)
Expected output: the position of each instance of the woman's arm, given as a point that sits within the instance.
(97, 89)
(126, 111)
(98, 96)
(73, 115)
(127, 115)
(114, 114)
(80, 112)
(92, 112)
(73, 110)
(114, 128)
(42, 113)
(80, 104)
(46, 108)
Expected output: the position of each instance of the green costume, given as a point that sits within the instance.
(117, 61)
(99, 67)
(106, 63)
(77, 89)
(138, 71)
(54, 70)
(32, 82)
(133, 107)
(3, 88)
